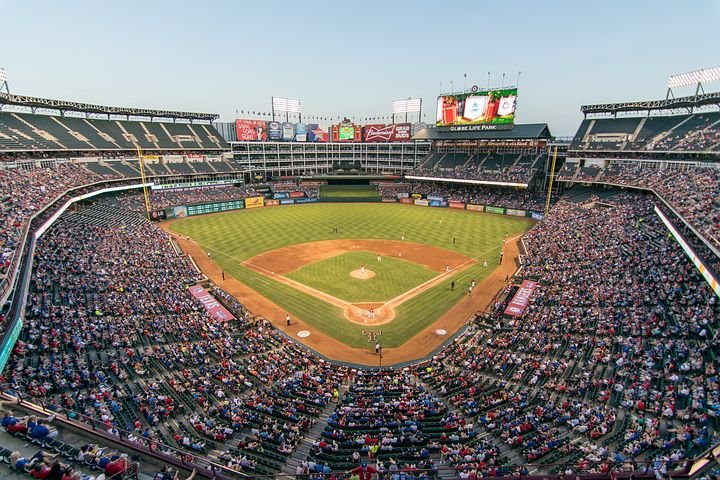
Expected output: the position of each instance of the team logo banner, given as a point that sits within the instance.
(251, 130)
(520, 300)
(400, 132)
(316, 134)
(213, 307)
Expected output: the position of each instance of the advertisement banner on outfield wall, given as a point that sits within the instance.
(520, 300)
(297, 194)
(458, 205)
(498, 210)
(305, 200)
(435, 198)
(475, 208)
(274, 131)
(515, 213)
(287, 201)
(179, 212)
(421, 202)
(254, 202)
(403, 195)
(272, 203)
(280, 195)
(537, 215)
(406, 200)
(437, 203)
(214, 308)
(388, 200)
(251, 130)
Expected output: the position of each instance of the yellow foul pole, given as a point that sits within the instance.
(141, 159)
(552, 178)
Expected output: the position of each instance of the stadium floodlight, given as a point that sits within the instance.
(697, 77)
(407, 106)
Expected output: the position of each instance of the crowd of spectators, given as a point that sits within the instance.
(164, 198)
(694, 192)
(618, 349)
(621, 327)
(512, 174)
(25, 192)
(475, 194)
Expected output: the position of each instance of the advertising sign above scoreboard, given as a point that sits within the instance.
(400, 132)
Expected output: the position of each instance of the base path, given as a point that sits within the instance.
(451, 262)
(415, 348)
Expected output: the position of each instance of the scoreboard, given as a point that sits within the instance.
(215, 207)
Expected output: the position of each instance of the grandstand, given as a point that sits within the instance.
(609, 372)
(76, 128)
(674, 155)
(511, 157)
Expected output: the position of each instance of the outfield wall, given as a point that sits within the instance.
(282, 199)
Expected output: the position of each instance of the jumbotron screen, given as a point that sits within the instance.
(346, 133)
(493, 107)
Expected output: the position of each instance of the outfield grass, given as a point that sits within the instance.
(236, 236)
(392, 277)
(349, 191)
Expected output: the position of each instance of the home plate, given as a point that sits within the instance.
(303, 334)
(440, 331)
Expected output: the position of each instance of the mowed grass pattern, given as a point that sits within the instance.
(392, 277)
(233, 237)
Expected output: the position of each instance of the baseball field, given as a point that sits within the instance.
(340, 270)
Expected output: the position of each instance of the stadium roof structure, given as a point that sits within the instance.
(670, 104)
(522, 131)
(63, 106)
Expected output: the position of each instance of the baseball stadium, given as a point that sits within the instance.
(293, 295)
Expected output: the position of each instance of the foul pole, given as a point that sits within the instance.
(141, 159)
(550, 184)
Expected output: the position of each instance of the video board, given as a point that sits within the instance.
(479, 110)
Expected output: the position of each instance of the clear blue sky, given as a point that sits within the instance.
(353, 58)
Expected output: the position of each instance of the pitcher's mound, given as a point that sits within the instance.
(362, 275)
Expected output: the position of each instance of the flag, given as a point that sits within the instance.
(507, 105)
